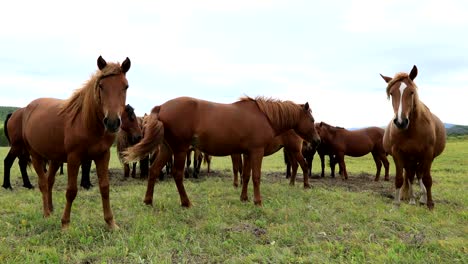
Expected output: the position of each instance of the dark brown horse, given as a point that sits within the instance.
(13, 127)
(354, 143)
(292, 144)
(126, 139)
(246, 126)
(82, 127)
(414, 138)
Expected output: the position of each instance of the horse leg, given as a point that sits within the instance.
(305, 170)
(333, 162)
(73, 166)
(408, 178)
(162, 158)
(189, 162)
(144, 166)
(177, 174)
(38, 164)
(322, 163)
(23, 164)
(294, 166)
(256, 163)
(378, 165)
(134, 169)
(7, 163)
(426, 179)
(386, 165)
(53, 168)
(102, 170)
(246, 170)
(85, 174)
(309, 161)
(287, 161)
(61, 169)
(342, 166)
(398, 178)
(235, 168)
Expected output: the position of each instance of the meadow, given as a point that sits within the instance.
(335, 221)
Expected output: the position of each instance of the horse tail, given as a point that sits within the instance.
(153, 136)
(5, 129)
(285, 156)
(206, 158)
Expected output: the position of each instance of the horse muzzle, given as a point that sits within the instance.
(403, 124)
(112, 125)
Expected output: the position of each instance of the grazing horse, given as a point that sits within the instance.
(414, 138)
(355, 143)
(246, 126)
(83, 127)
(292, 144)
(126, 139)
(13, 125)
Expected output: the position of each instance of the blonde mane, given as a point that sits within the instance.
(279, 113)
(86, 99)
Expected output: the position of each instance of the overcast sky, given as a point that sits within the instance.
(329, 53)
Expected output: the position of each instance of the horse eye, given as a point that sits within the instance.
(126, 87)
(100, 86)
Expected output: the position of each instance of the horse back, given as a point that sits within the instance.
(215, 128)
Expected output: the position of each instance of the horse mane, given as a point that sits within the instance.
(279, 113)
(87, 98)
(398, 77)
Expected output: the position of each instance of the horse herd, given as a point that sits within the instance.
(49, 132)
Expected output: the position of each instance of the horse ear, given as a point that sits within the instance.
(125, 65)
(306, 106)
(101, 63)
(413, 73)
(387, 79)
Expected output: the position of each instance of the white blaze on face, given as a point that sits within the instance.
(400, 107)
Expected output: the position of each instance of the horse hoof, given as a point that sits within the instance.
(65, 227)
(112, 226)
(306, 186)
(244, 199)
(258, 203)
(186, 204)
(148, 202)
(236, 185)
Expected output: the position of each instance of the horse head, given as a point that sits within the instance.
(111, 92)
(306, 127)
(403, 91)
(131, 125)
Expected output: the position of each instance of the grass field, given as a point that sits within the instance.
(333, 222)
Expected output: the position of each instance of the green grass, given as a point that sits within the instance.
(333, 222)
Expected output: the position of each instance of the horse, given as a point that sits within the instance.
(13, 127)
(246, 126)
(126, 139)
(82, 127)
(354, 143)
(292, 144)
(414, 137)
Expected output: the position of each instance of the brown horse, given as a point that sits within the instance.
(14, 134)
(355, 143)
(82, 127)
(126, 139)
(246, 126)
(292, 144)
(414, 138)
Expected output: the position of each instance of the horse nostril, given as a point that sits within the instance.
(395, 121)
(118, 122)
(106, 120)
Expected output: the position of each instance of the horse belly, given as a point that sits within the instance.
(43, 132)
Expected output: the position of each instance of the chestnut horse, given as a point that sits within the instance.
(13, 132)
(354, 143)
(292, 144)
(83, 127)
(126, 139)
(414, 138)
(246, 126)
